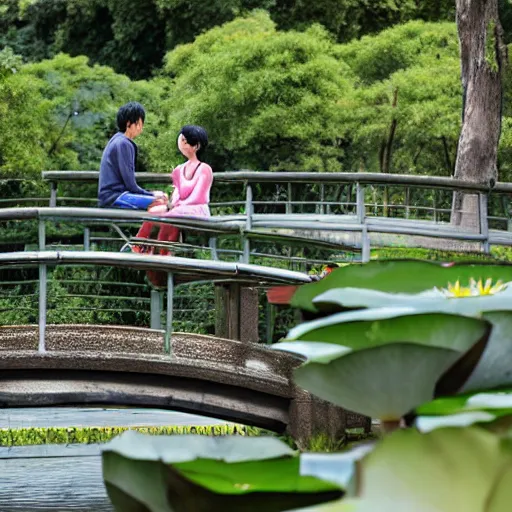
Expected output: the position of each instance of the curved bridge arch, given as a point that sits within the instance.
(86, 364)
(216, 377)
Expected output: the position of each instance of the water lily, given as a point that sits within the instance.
(475, 288)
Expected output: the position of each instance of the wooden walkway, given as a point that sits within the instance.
(64, 478)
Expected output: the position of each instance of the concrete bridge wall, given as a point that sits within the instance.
(227, 379)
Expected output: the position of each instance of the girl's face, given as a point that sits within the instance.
(185, 148)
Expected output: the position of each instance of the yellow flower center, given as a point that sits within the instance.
(474, 289)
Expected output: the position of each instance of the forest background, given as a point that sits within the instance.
(331, 85)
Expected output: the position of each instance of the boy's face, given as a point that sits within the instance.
(134, 129)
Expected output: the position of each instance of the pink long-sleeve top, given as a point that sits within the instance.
(191, 192)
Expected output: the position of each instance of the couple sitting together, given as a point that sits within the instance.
(117, 187)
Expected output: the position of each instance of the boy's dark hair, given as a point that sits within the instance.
(131, 112)
(195, 135)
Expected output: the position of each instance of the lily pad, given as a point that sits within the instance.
(427, 300)
(383, 382)
(339, 468)
(446, 470)
(398, 276)
(207, 474)
(465, 410)
(374, 327)
(384, 362)
(494, 369)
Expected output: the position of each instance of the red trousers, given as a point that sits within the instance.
(166, 233)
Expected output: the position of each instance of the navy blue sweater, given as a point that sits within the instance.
(117, 170)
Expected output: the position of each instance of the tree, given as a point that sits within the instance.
(59, 113)
(269, 100)
(483, 61)
(408, 77)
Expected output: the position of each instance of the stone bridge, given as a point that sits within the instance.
(107, 365)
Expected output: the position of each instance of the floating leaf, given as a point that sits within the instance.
(494, 369)
(374, 327)
(382, 382)
(446, 470)
(398, 276)
(207, 474)
(465, 410)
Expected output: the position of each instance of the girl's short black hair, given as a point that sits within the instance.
(195, 135)
(131, 112)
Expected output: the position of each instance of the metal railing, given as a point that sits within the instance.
(357, 219)
(178, 270)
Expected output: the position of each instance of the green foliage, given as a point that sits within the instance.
(268, 99)
(61, 112)
(93, 435)
(407, 76)
(133, 36)
(205, 474)
(408, 253)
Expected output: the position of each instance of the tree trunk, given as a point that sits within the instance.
(386, 151)
(483, 58)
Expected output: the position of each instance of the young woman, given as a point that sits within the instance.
(192, 183)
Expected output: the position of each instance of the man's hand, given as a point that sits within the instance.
(160, 195)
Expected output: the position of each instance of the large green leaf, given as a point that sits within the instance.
(449, 470)
(398, 276)
(495, 366)
(493, 369)
(395, 361)
(428, 300)
(383, 382)
(464, 410)
(338, 468)
(374, 327)
(207, 474)
(446, 470)
(500, 499)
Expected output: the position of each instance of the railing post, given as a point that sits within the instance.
(156, 309)
(248, 224)
(169, 316)
(212, 243)
(53, 194)
(41, 234)
(365, 245)
(361, 219)
(289, 199)
(407, 200)
(322, 199)
(42, 308)
(484, 223)
(87, 239)
(360, 208)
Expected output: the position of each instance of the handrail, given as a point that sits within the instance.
(189, 268)
(261, 224)
(116, 215)
(438, 182)
(177, 269)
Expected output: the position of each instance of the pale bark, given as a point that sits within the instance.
(483, 59)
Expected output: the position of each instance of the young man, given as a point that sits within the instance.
(117, 187)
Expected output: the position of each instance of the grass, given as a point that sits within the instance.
(96, 435)
(93, 435)
(498, 254)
